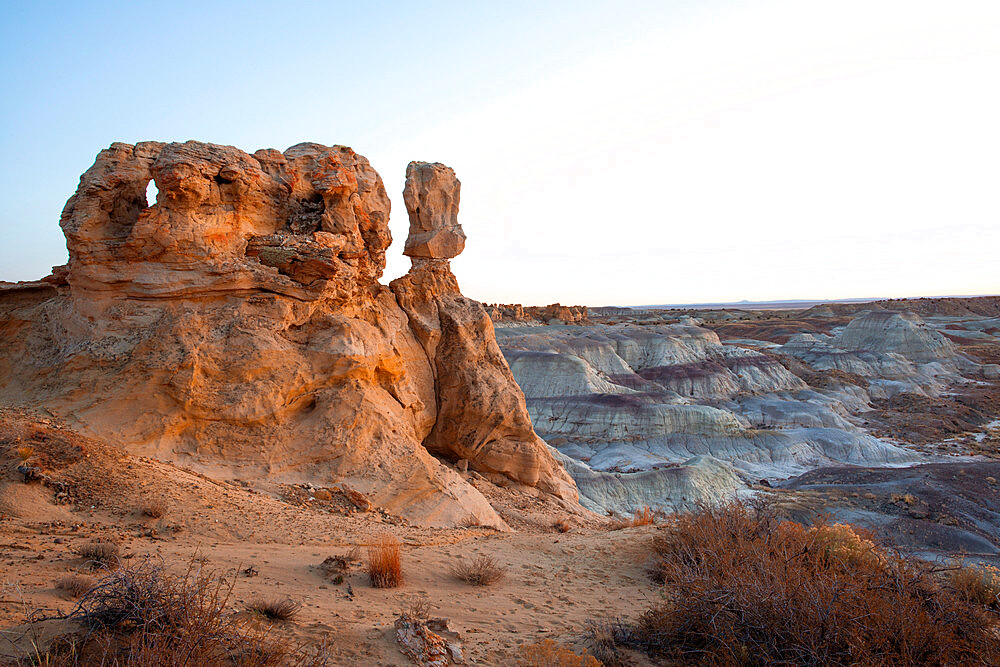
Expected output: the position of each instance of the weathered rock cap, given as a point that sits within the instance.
(431, 194)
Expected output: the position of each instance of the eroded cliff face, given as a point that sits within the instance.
(238, 324)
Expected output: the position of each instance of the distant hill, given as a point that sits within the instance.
(799, 304)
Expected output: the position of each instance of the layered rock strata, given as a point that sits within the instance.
(668, 416)
(238, 325)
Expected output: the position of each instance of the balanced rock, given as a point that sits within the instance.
(481, 412)
(237, 325)
(431, 194)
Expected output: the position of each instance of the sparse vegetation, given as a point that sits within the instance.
(74, 585)
(978, 583)
(25, 452)
(385, 567)
(275, 609)
(742, 586)
(642, 517)
(907, 499)
(335, 566)
(155, 508)
(549, 653)
(481, 571)
(562, 525)
(141, 616)
(99, 554)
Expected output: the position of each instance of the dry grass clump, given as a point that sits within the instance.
(275, 609)
(141, 616)
(74, 585)
(742, 586)
(642, 517)
(99, 554)
(979, 584)
(155, 508)
(385, 566)
(25, 452)
(482, 571)
(548, 653)
(562, 525)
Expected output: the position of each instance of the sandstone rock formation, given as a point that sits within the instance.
(431, 195)
(237, 325)
(481, 414)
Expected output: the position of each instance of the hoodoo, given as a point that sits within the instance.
(238, 324)
(481, 413)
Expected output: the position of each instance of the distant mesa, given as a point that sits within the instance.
(552, 314)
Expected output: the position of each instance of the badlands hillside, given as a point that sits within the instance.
(670, 409)
(218, 382)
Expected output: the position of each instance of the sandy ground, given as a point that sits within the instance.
(556, 582)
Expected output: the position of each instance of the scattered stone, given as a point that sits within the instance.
(425, 647)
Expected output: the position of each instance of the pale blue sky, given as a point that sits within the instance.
(610, 152)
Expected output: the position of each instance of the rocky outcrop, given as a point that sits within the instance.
(552, 314)
(481, 413)
(237, 325)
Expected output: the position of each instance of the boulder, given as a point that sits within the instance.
(431, 195)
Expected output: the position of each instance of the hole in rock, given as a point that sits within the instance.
(306, 215)
(151, 193)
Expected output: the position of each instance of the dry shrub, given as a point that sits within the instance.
(606, 639)
(25, 452)
(99, 554)
(482, 571)
(275, 609)
(385, 567)
(74, 585)
(142, 616)
(979, 584)
(335, 566)
(548, 653)
(844, 543)
(907, 499)
(562, 525)
(419, 610)
(155, 508)
(742, 586)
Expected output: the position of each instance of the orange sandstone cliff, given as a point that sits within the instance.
(238, 325)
